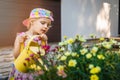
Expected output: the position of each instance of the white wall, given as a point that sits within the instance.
(80, 17)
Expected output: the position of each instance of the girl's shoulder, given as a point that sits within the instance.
(21, 33)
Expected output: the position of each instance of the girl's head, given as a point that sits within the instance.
(39, 20)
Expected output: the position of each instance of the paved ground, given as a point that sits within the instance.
(6, 59)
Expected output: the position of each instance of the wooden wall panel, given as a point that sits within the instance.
(13, 12)
(119, 21)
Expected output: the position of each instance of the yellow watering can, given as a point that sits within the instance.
(25, 59)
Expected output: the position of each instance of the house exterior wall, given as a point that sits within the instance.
(13, 12)
(81, 17)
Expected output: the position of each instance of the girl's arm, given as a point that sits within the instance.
(17, 44)
(16, 50)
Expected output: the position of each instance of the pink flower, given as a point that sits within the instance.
(46, 47)
(32, 55)
(36, 39)
(40, 72)
(55, 49)
(27, 59)
(61, 73)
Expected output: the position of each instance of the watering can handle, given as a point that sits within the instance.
(31, 39)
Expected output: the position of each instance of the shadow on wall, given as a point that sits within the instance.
(103, 21)
(97, 16)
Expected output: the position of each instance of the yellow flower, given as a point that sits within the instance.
(65, 37)
(62, 49)
(88, 56)
(63, 58)
(83, 51)
(74, 54)
(38, 68)
(82, 39)
(102, 39)
(94, 50)
(67, 53)
(112, 41)
(58, 56)
(60, 67)
(92, 35)
(72, 63)
(35, 67)
(98, 68)
(100, 56)
(106, 45)
(94, 77)
(91, 66)
(62, 43)
(70, 41)
(77, 55)
(95, 70)
(119, 51)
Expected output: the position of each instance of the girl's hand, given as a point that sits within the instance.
(21, 38)
(44, 37)
(39, 38)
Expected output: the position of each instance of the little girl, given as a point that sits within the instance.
(38, 24)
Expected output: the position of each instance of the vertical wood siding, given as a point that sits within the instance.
(13, 12)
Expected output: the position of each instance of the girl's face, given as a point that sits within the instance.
(41, 25)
